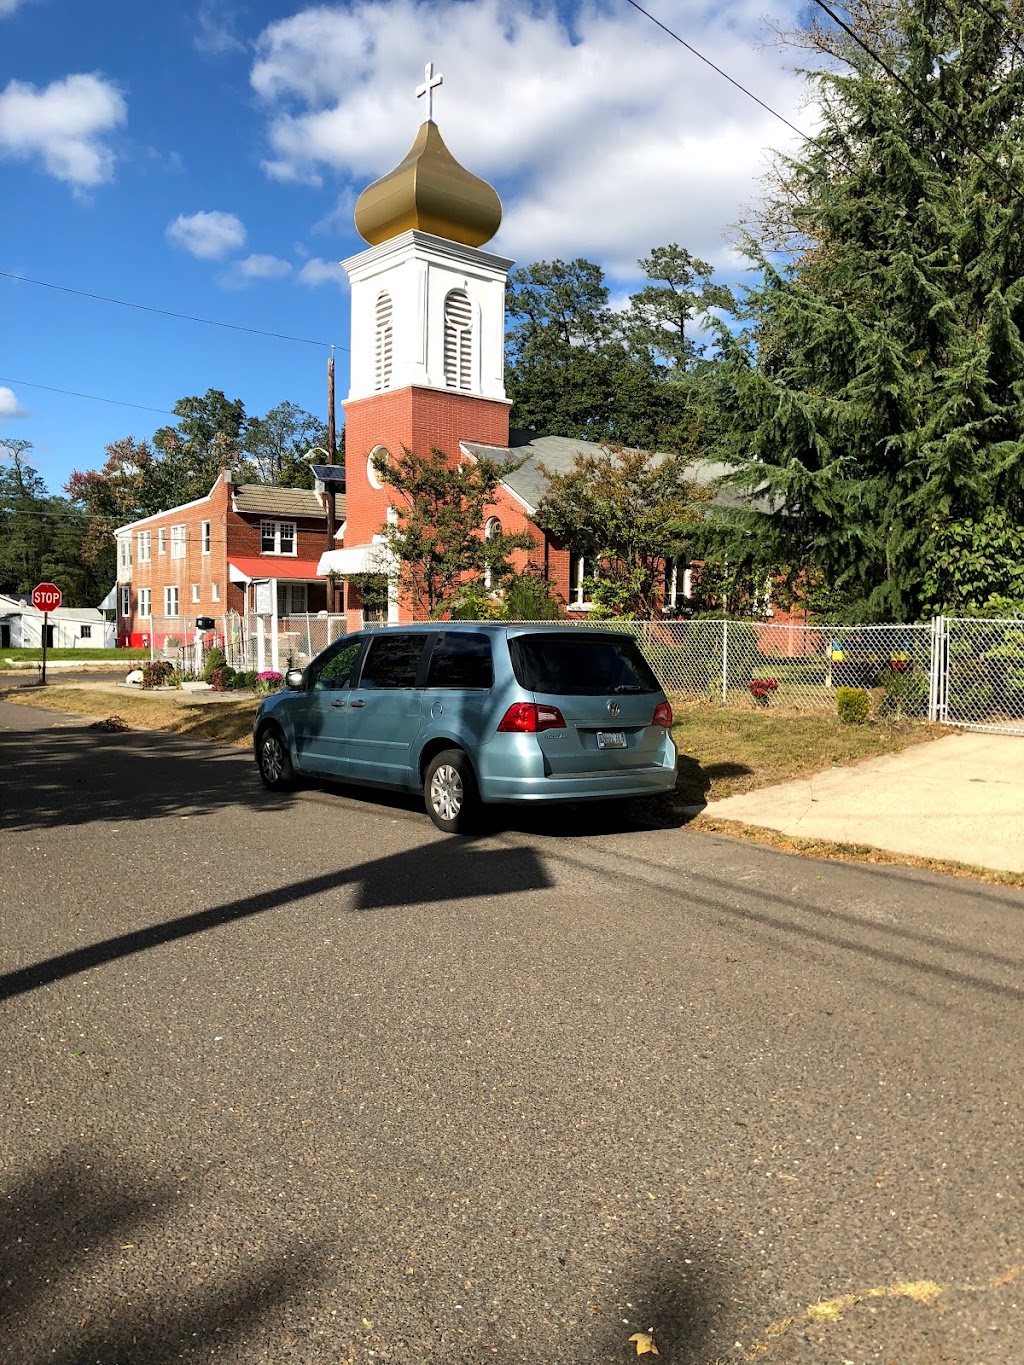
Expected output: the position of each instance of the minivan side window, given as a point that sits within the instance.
(334, 672)
(392, 661)
(461, 659)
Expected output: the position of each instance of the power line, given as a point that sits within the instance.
(948, 127)
(70, 393)
(167, 313)
(724, 74)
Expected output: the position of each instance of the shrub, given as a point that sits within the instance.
(158, 673)
(906, 693)
(269, 680)
(250, 678)
(220, 678)
(172, 642)
(530, 597)
(238, 682)
(853, 705)
(214, 659)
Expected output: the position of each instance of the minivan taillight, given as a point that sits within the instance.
(527, 718)
(662, 715)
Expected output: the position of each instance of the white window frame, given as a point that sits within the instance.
(214, 592)
(145, 547)
(84, 632)
(206, 537)
(288, 594)
(577, 602)
(271, 530)
(171, 602)
(178, 541)
(196, 594)
(161, 540)
(124, 552)
(146, 602)
(492, 528)
(126, 602)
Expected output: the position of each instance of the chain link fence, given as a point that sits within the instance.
(959, 671)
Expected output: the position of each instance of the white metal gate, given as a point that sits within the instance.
(977, 678)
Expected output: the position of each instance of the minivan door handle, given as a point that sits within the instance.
(337, 703)
(358, 703)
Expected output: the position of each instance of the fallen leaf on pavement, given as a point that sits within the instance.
(645, 1344)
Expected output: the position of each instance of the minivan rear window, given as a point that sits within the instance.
(585, 664)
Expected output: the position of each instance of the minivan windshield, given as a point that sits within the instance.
(586, 663)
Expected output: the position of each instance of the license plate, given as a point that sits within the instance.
(611, 739)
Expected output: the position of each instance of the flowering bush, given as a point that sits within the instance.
(761, 689)
(159, 673)
(220, 678)
(269, 680)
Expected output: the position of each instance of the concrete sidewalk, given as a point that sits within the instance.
(959, 798)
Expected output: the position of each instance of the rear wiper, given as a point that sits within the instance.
(628, 687)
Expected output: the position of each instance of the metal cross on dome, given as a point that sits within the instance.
(428, 87)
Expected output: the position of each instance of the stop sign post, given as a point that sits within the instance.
(46, 597)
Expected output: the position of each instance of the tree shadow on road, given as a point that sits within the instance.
(58, 778)
(84, 1275)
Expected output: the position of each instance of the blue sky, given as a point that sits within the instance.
(204, 159)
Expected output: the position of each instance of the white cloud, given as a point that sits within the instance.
(9, 405)
(257, 267)
(209, 235)
(8, 7)
(215, 34)
(317, 271)
(63, 125)
(604, 140)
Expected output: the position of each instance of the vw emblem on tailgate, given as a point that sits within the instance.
(613, 708)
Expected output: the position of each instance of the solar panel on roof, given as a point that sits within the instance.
(330, 473)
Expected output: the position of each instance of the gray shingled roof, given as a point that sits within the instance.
(283, 502)
(558, 453)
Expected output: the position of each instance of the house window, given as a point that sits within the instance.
(170, 601)
(124, 553)
(145, 546)
(177, 542)
(382, 342)
(492, 529)
(214, 592)
(291, 599)
(458, 339)
(145, 602)
(126, 601)
(161, 541)
(678, 583)
(277, 537)
(195, 592)
(85, 632)
(206, 537)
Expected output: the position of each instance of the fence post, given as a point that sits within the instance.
(725, 662)
(309, 639)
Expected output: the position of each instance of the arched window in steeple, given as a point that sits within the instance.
(383, 346)
(458, 340)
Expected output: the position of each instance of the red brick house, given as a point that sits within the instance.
(243, 548)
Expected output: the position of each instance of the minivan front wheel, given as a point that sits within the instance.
(449, 792)
(274, 760)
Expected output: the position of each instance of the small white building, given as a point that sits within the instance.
(21, 626)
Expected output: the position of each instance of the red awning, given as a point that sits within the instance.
(267, 567)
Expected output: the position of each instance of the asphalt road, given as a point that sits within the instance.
(297, 1078)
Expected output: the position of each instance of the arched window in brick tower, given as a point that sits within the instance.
(458, 339)
(382, 355)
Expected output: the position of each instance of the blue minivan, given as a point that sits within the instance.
(472, 713)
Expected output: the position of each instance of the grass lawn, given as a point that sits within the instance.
(84, 656)
(722, 752)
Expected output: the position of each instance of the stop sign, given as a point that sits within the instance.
(46, 597)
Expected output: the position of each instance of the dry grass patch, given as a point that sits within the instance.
(725, 752)
(227, 721)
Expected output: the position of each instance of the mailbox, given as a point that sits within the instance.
(205, 623)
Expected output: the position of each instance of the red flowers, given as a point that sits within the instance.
(761, 689)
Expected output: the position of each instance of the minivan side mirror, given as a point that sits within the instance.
(293, 679)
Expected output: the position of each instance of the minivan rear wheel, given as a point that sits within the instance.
(450, 793)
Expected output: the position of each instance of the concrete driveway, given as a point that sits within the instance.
(959, 798)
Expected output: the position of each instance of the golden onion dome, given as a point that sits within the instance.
(431, 192)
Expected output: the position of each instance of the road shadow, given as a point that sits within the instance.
(440, 872)
(83, 1276)
(57, 778)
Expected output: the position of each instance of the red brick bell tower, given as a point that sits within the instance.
(428, 332)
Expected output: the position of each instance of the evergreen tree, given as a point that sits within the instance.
(876, 393)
